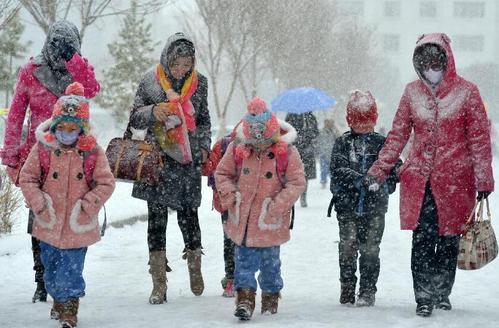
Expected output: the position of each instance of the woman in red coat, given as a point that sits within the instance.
(450, 160)
(39, 84)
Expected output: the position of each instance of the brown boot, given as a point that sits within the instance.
(68, 316)
(158, 268)
(270, 302)
(193, 257)
(245, 303)
(56, 310)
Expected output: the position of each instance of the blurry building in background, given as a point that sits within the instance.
(473, 26)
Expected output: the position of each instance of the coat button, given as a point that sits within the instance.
(57, 152)
(246, 171)
(79, 176)
(268, 175)
(271, 155)
(55, 175)
(430, 149)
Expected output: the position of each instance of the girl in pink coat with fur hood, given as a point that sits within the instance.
(259, 202)
(65, 190)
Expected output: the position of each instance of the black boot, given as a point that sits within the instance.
(424, 310)
(347, 295)
(40, 293)
(443, 304)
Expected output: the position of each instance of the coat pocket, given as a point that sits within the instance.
(235, 210)
(46, 218)
(80, 222)
(268, 219)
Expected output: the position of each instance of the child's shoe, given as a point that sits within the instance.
(270, 302)
(228, 285)
(56, 310)
(365, 299)
(443, 304)
(424, 310)
(40, 293)
(68, 317)
(245, 303)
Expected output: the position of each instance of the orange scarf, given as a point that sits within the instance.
(188, 89)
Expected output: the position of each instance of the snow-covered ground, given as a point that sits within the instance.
(118, 283)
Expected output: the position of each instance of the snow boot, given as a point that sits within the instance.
(443, 304)
(365, 299)
(193, 257)
(68, 316)
(56, 310)
(157, 268)
(245, 303)
(40, 293)
(424, 310)
(228, 286)
(270, 302)
(347, 295)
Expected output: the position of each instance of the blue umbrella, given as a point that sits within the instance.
(302, 100)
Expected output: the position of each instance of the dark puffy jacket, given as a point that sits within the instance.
(352, 156)
(180, 184)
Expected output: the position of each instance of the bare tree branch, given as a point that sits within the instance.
(46, 12)
(8, 10)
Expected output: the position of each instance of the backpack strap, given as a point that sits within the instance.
(89, 163)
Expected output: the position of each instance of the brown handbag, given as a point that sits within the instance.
(134, 160)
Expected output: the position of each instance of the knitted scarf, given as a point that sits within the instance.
(175, 141)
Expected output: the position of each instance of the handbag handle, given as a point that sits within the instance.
(480, 211)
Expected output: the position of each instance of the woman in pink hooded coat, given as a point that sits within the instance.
(449, 161)
(39, 84)
(259, 203)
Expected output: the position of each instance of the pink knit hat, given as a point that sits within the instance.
(260, 126)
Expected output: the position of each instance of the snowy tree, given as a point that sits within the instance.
(89, 11)
(132, 58)
(10, 49)
(8, 10)
(227, 31)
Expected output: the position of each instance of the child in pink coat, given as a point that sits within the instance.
(259, 203)
(66, 180)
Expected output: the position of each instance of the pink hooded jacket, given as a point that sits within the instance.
(451, 147)
(31, 93)
(259, 205)
(65, 208)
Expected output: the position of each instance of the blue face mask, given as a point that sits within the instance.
(67, 138)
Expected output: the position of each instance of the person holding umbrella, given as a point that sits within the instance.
(308, 131)
(299, 103)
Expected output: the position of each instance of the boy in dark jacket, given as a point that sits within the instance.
(359, 203)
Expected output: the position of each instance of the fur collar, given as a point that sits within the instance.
(86, 142)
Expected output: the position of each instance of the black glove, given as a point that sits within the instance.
(483, 195)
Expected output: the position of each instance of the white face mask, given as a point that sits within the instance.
(435, 77)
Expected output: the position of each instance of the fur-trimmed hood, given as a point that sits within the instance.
(86, 142)
(288, 133)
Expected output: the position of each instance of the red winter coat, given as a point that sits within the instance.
(30, 92)
(451, 147)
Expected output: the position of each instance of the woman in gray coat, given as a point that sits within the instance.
(174, 82)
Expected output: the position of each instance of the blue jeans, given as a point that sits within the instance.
(63, 272)
(325, 162)
(251, 259)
